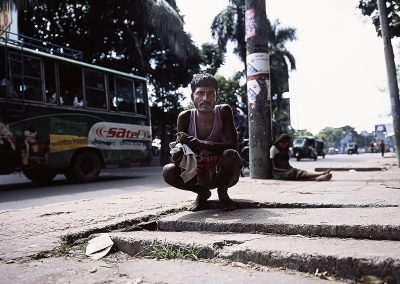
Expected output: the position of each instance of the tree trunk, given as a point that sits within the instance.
(391, 74)
(258, 89)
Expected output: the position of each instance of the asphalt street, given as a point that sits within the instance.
(16, 191)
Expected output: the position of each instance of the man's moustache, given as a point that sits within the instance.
(205, 103)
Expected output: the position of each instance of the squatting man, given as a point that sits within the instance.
(208, 130)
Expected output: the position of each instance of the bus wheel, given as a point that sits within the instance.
(85, 167)
(40, 176)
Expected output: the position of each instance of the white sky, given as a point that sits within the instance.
(340, 77)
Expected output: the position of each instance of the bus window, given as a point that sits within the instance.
(140, 93)
(95, 90)
(50, 82)
(26, 77)
(3, 77)
(70, 83)
(111, 89)
(124, 96)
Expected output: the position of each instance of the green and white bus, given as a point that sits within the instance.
(61, 115)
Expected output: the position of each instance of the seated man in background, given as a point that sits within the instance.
(281, 169)
(209, 131)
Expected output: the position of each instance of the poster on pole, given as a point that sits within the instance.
(257, 63)
(250, 23)
(253, 89)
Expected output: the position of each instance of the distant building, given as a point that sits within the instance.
(385, 132)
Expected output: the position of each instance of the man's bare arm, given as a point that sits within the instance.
(183, 121)
(182, 126)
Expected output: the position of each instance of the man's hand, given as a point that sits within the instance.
(177, 157)
(194, 143)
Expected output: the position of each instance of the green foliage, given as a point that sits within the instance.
(212, 58)
(302, 132)
(65, 247)
(370, 8)
(280, 56)
(118, 34)
(336, 137)
(283, 118)
(167, 251)
(229, 25)
(331, 136)
(230, 91)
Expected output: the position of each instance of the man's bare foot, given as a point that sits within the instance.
(225, 201)
(328, 171)
(201, 201)
(324, 177)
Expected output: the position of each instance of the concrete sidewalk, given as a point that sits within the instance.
(348, 227)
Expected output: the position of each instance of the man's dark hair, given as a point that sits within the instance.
(204, 80)
(282, 138)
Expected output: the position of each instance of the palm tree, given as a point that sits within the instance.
(229, 25)
(279, 59)
(280, 56)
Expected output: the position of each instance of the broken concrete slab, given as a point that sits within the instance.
(29, 232)
(136, 243)
(347, 258)
(184, 271)
(360, 223)
(120, 269)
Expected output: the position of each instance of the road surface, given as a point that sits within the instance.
(16, 191)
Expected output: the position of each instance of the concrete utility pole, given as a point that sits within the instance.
(258, 89)
(391, 74)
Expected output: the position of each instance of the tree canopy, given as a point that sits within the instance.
(118, 34)
(370, 8)
(230, 90)
(340, 136)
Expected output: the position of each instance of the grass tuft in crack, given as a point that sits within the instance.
(65, 246)
(167, 251)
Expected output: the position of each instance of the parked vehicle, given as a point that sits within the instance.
(352, 148)
(319, 146)
(304, 147)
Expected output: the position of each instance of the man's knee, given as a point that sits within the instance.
(230, 168)
(169, 174)
(232, 158)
